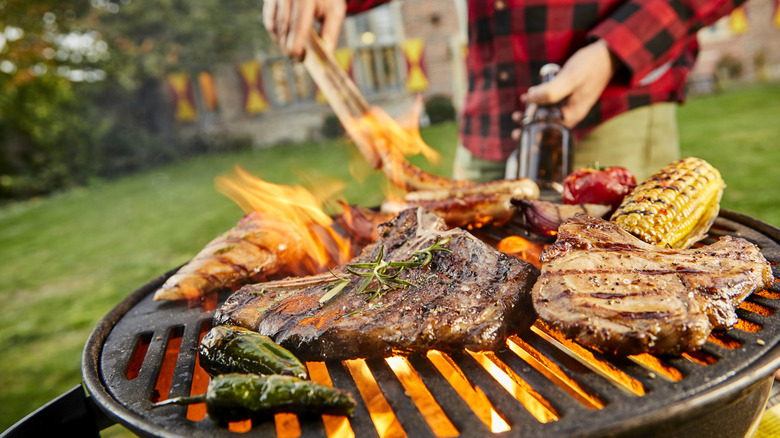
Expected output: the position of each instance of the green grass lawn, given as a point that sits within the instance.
(739, 133)
(69, 258)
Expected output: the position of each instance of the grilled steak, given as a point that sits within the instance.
(612, 291)
(468, 296)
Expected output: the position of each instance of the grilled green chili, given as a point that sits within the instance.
(236, 397)
(229, 349)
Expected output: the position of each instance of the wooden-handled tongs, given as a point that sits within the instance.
(476, 203)
(342, 94)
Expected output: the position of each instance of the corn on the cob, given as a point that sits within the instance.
(675, 207)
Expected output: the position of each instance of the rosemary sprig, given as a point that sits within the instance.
(427, 253)
(335, 288)
(384, 272)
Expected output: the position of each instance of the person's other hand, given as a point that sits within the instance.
(580, 81)
(289, 22)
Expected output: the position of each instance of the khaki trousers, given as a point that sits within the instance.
(642, 140)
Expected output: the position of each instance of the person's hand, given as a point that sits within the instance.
(580, 81)
(289, 22)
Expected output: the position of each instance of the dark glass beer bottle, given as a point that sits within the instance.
(546, 146)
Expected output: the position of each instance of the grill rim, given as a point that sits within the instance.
(90, 363)
(736, 385)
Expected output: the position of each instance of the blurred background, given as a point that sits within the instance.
(117, 115)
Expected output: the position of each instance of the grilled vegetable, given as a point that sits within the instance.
(598, 186)
(228, 349)
(236, 397)
(545, 217)
(675, 207)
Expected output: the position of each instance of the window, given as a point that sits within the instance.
(290, 83)
(378, 63)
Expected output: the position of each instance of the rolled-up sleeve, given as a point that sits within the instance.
(646, 34)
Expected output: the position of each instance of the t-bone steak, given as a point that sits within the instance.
(468, 296)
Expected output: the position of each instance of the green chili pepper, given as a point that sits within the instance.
(228, 349)
(236, 397)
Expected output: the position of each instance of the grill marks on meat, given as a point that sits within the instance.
(471, 298)
(250, 250)
(610, 290)
(259, 248)
(488, 203)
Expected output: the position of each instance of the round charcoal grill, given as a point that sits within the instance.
(541, 385)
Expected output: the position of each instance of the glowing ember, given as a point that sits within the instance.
(537, 405)
(552, 371)
(422, 398)
(287, 425)
(472, 395)
(522, 249)
(382, 415)
(586, 357)
(295, 223)
(243, 426)
(335, 425)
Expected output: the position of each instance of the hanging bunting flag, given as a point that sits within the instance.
(416, 79)
(183, 100)
(252, 84)
(344, 56)
(208, 91)
(738, 22)
(776, 19)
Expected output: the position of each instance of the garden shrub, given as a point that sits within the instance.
(331, 127)
(439, 109)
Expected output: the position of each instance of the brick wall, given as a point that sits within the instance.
(435, 21)
(761, 37)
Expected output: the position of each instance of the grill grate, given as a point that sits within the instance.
(540, 385)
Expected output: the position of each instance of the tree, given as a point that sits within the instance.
(38, 106)
(80, 82)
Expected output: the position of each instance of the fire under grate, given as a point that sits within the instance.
(540, 385)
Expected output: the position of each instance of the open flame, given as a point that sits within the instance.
(385, 142)
(522, 249)
(294, 220)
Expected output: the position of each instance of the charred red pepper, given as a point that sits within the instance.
(598, 186)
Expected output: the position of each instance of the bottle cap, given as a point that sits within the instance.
(549, 69)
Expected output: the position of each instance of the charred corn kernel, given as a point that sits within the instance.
(675, 207)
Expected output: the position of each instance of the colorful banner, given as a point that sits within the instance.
(344, 57)
(180, 86)
(776, 18)
(252, 84)
(416, 79)
(208, 91)
(738, 22)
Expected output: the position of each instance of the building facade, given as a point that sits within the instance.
(406, 48)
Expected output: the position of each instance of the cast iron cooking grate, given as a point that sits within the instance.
(540, 385)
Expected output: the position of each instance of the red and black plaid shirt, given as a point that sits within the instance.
(510, 40)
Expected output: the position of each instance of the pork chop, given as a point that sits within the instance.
(610, 290)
